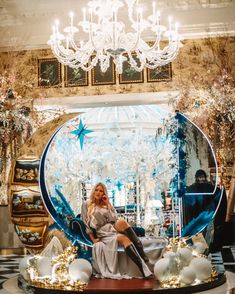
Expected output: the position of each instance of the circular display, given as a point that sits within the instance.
(146, 158)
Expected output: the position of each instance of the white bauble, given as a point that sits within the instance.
(185, 256)
(78, 266)
(202, 267)
(44, 266)
(23, 265)
(169, 254)
(199, 247)
(187, 275)
(161, 269)
(77, 275)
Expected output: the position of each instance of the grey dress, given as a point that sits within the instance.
(106, 258)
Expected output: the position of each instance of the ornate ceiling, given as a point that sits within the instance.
(27, 24)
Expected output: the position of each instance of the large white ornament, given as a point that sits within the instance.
(199, 247)
(161, 269)
(202, 267)
(185, 256)
(187, 275)
(44, 266)
(81, 276)
(23, 265)
(169, 254)
(80, 269)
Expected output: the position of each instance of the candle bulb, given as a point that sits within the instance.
(176, 27)
(158, 17)
(67, 43)
(139, 14)
(170, 20)
(57, 26)
(71, 18)
(84, 14)
(90, 13)
(154, 8)
(53, 30)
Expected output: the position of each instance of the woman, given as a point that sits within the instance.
(99, 215)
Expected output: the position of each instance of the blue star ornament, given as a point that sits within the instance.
(119, 185)
(81, 132)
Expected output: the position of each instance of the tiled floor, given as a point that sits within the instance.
(9, 267)
(9, 264)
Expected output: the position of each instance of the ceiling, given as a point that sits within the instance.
(26, 24)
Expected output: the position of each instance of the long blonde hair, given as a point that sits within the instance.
(91, 203)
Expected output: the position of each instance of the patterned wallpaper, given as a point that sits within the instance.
(195, 57)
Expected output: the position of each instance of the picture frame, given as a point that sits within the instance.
(75, 77)
(103, 78)
(27, 203)
(49, 73)
(25, 172)
(129, 74)
(160, 74)
(32, 234)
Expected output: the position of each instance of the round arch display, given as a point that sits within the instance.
(144, 156)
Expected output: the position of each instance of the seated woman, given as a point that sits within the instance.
(98, 214)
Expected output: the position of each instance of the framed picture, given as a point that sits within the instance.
(26, 172)
(75, 77)
(49, 73)
(26, 203)
(129, 74)
(159, 74)
(32, 234)
(103, 78)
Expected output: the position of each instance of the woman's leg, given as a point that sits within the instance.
(123, 227)
(131, 251)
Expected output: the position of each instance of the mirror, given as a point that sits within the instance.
(130, 149)
(201, 196)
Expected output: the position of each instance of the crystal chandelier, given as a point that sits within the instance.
(108, 40)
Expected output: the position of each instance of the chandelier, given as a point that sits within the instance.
(107, 39)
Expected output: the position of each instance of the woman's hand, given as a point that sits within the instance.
(96, 240)
(105, 199)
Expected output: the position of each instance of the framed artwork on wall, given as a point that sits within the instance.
(159, 74)
(25, 203)
(25, 172)
(49, 73)
(75, 77)
(103, 78)
(32, 235)
(130, 75)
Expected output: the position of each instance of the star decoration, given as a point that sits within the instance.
(119, 185)
(81, 132)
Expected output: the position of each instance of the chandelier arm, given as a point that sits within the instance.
(59, 51)
(160, 61)
(75, 47)
(90, 66)
(65, 58)
(91, 34)
(133, 63)
(138, 37)
(72, 60)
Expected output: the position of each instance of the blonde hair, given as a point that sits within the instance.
(91, 203)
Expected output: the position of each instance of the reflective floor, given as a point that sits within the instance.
(224, 260)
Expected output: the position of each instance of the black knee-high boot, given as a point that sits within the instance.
(130, 233)
(134, 256)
